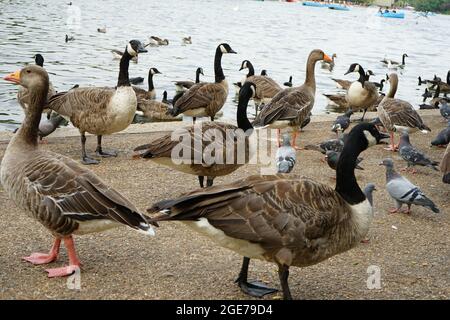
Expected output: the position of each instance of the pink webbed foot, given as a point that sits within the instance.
(41, 258)
(63, 271)
(393, 210)
(366, 240)
(43, 141)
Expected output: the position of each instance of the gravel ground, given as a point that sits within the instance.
(412, 251)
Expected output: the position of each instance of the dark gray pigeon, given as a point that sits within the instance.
(342, 122)
(443, 137)
(444, 108)
(332, 158)
(331, 144)
(285, 156)
(413, 156)
(48, 126)
(368, 192)
(403, 191)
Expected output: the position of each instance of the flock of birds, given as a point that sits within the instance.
(285, 219)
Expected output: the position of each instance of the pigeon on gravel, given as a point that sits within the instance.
(342, 122)
(413, 156)
(444, 108)
(445, 165)
(332, 158)
(368, 192)
(331, 144)
(403, 191)
(285, 156)
(443, 137)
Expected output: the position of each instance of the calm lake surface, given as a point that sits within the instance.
(276, 36)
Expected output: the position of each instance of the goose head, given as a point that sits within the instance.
(245, 65)
(368, 135)
(264, 72)
(388, 163)
(39, 59)
(355, 67)
(153, 71)
(317, 55)
(200, 71)
(368, 192)
(225, 48)
(135, 47)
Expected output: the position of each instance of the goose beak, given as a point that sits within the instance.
(241, 68)
(141, 49)
(232, 51)
(13, 77)
(327, 58)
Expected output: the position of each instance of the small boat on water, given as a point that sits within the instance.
(334, 6)
(313, 4)
(390, 14)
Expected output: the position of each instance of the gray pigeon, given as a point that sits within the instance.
(285, 156)
(443, 137)
(414, 156)
(368, 190)
(331, 144)
(48, 126)
(342, 122)
(403, 191)
(444, 108)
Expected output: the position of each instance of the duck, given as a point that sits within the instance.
(445, 166)
(187, 40)
(443, 137)
(285, 156)
(345, 84)
(266, 87)
(272, 217)
(413, 156)
(395, 63)
(71, 38)
(361, 94)
(66, 198)
(142, 94)
(157, 111)
(205, 99)
(22, 94)
(290, 106)
(184, 85)
(157, 41)
(160, 150)
(117, 55)
(403, 191)
(101, 110)
(329, 65)
(288, 83)
(398, 115)
(342, 122)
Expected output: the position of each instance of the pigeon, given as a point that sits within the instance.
(332, 158)
(412, 155)
(331, 144)
(445, 165)
(48, 126)
(403, 191)
(285, 156)
(368, 192)
(443, 137)
(288, 83)
(342, 122)
(444, 108)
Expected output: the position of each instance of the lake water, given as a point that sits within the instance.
(276, 36)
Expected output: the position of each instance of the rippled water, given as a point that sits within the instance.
(276, 36)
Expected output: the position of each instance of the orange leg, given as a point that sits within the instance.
(393, 147)
(43, 258)
(294, 139)
(74, 263)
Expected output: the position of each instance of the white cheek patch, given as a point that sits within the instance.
(222, 48)
(152, 71)
(357, 68)
(370, 138)
(131, 51)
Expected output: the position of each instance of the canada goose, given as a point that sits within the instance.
(187, 40)
(292, 105)
(101, 110)
(71, 38)
(362, 94)
(403, 191)
(284, 219)
(60, 194)
(22, 94)
(345, 84)
(380, 84)
(117, 55)
(444, 87)
(264, 72)
(288, 83)
(183, 85)
(445, 165)
(158, 41)
(160, 150)
(395, 63)
(398, 115)
(205, 99)
(266, 87)
(136, 80)
(157, 111)
(329, 65)
(142, 94)
(101, 30)
(338, 100)
(413, 156)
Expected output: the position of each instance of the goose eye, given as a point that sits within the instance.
(28, 71)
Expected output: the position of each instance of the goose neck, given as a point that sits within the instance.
(241, 116)
(218, 71)
(392, 88)
(251, 69)
(197, 76)
(123, 72)
(310, 79)
(150, 81)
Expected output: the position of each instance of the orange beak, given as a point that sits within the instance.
(13, 77)
(327, 58)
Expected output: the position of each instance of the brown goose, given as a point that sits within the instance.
(181, 86)
(398, 115)
(63, 196)
(266, 87)
(337, 99)
(161, 150)
(205, 99)
(291, 106)
(142, 94)
(103, 110)
(157, 111)
(361, 94)
(284, 219)
(445, 165)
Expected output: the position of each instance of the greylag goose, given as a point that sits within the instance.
(272, 217)
(361, 94)
(291, 106)
(205, 99)
(101, 110)
(142, 94)
(64, 197)
(196, 161)
(181, 86)
(398, 115)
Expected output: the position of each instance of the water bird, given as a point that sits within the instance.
(71, 38)
(184, 85)
(150, 93)
(395, 63)
(101, 30)
(157, 41)
(187, 40)
(329, 65)
(288, 83)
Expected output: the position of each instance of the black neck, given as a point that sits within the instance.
(123, 72)
(241, 116)
(403, 59)
(362, 75)
(251, 70)
(346, 184)
(448, 77)
(150, 81)
(197, 76)
(218, 71)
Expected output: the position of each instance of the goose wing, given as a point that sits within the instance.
(265, 87)
(199, 95)
(272, 211)
(400, 113)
